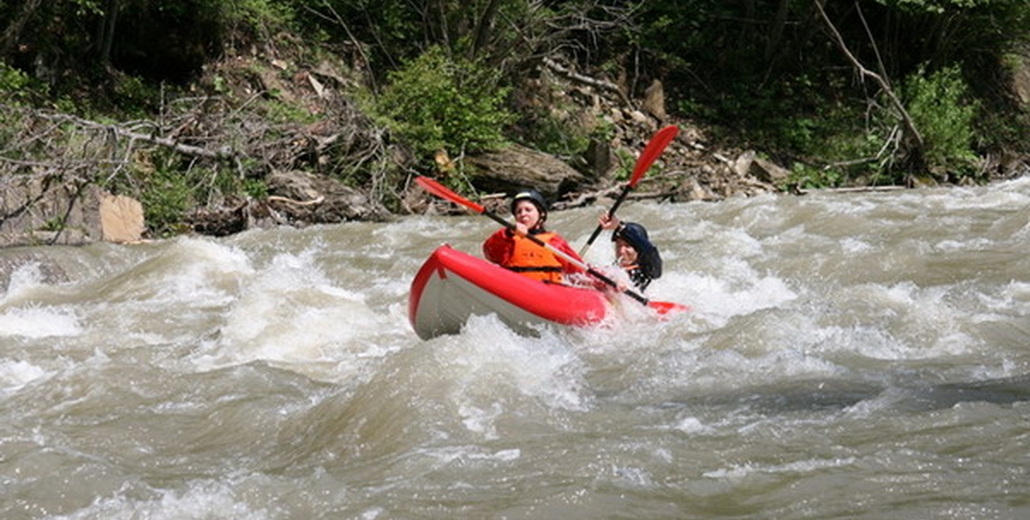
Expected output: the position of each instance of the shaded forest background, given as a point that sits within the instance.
(192, 106)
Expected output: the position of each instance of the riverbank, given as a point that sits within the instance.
(84, 180)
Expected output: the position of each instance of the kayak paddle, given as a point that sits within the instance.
(654, 148)
(445, 193)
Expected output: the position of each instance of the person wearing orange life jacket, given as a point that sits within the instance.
(634, 252)
(512, 250)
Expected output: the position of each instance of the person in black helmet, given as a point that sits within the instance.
(514, 251)
(634, 252)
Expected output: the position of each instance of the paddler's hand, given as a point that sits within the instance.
(608, 222)
(521, 229)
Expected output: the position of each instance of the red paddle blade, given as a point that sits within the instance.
(654, 148)
(445, 193)
(666, 308)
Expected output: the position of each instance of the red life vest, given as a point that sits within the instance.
(535, 261)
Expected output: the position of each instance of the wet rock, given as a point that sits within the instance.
(518, 167)
(749, 164)
(301, 197)
(654, 100)
(50, 210)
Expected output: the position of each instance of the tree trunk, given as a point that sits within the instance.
(108, 23)
(13, 32)
(776, 32)
(483, 27)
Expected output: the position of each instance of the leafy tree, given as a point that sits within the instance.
(940, 104)
(767, 71)
(509, 35)
(438, 103)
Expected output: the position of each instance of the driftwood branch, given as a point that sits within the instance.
(223, 152)
(586, 198)
(587, 80)
(589, 197)
(212, 137)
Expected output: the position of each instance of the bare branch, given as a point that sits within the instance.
(597, 83)
(913, 132)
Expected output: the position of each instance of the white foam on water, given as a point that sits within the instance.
(39, 322)
(542, 367)
(693, 426)
(15, 374)
(719, 298)
(290, 314)
(23, 280)
(1015, 293)
(488, 371)
(189, 274)
(198, 270)
(854, 245)
(745, 470)
(200, 500)
(788, 364)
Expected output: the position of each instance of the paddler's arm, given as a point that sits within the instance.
(499, 246)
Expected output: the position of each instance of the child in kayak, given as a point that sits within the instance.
(514, 251)
(634, 252)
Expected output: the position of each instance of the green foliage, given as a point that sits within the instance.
(624, 162)
(506, 35)
(1003, 128)
(934, 6)
(255, 188)
(804, 176)
(554, 135)
(258, 13)
(137, 98)
(166, 197)
(940, 107)
(563, 129)
(843, 148)
(285, 113)
(170, 188)
(87, 7)
(54, 224)
(18, 88)
(780, 83)
(391, 30)
(435, 102)
(13, 84)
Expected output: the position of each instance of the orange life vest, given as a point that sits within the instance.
(535, 261)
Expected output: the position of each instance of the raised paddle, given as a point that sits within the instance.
(654, 148)
(445, 193)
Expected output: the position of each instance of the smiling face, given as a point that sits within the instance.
(527, 214)
(625, 253)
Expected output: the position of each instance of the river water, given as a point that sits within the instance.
(861, 356)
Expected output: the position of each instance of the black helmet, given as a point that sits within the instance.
(647, 254)
(533, 196)
(635, 234)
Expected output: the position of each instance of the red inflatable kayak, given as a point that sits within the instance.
(452, 286)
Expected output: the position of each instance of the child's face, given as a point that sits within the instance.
(527, 213)
(625, 252)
